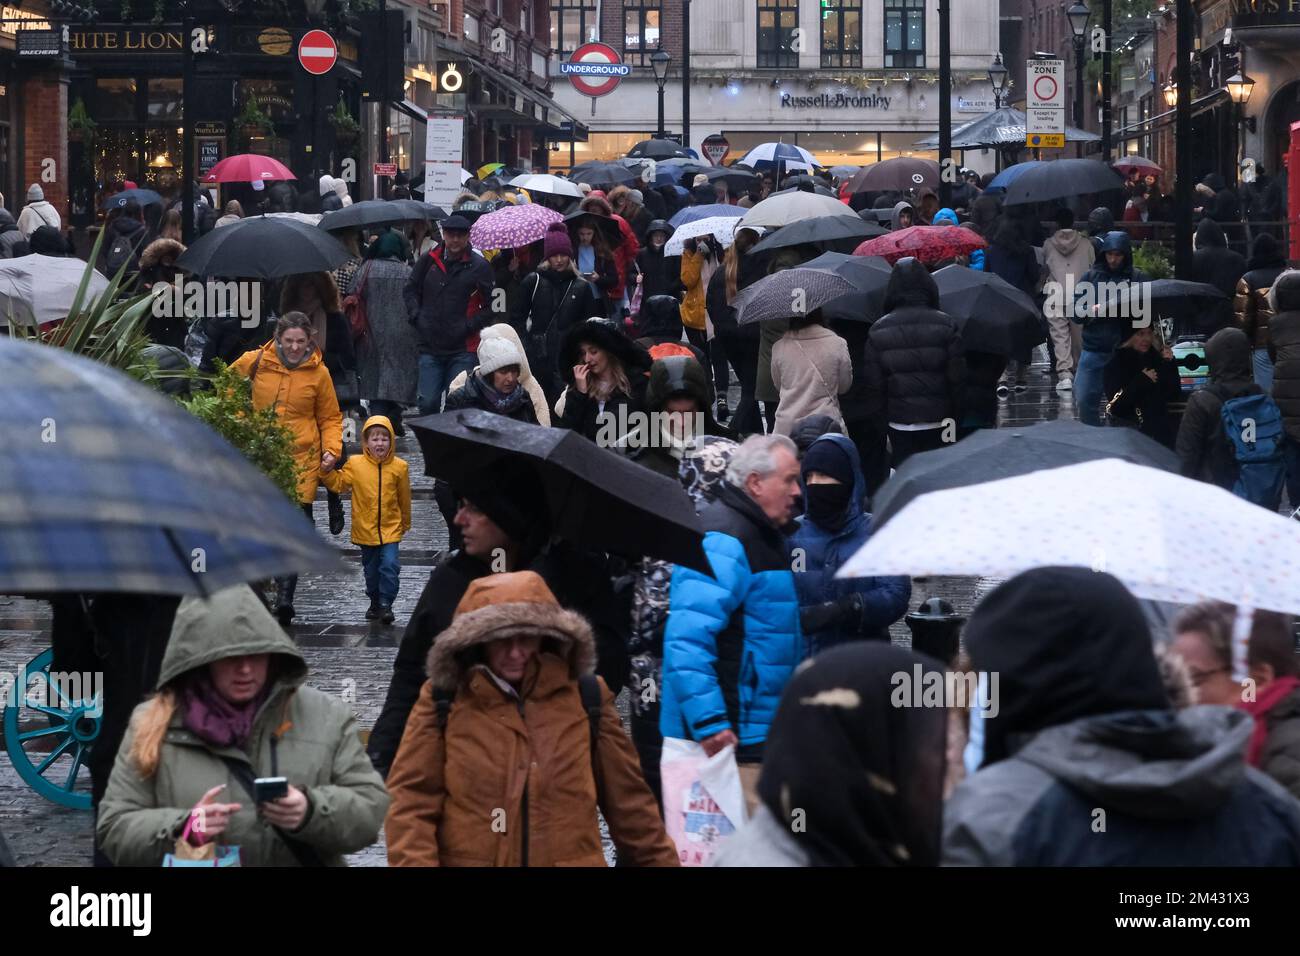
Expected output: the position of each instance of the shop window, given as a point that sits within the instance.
(164, 100)
(640, 30)
(777, 21)
(114, 99)
(573, 23)
(904, 33)
(841, 33)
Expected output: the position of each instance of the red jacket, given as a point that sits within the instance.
(624, 255)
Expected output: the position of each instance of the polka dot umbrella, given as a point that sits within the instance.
(512, 226)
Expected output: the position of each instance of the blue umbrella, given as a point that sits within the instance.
(1009, 175)
(768, 155)
(110, 486)
(692, 213)
(144, 197)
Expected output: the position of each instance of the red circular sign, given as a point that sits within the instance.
(317, 52)
(1050, 87)
(603, 65)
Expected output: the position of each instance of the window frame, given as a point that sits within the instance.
(640, 54)
(779, 57)
(587, 13)
(902, 57)
(840, 56)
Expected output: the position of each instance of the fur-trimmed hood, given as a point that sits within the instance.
(502, 605)
(158, 250)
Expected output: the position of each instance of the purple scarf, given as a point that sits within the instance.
(216, 720)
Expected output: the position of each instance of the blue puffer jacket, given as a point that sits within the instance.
(733, 639)
(822, 553)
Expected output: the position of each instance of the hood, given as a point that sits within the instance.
(503, 605)
(158, 250)
(675, 375)
(859, 493)
(1284, 296)
(1116, 241)
(271, 358)
(1228, 355)
(1100, 220)
(944, 217)
(1214, 181)
(898, 209)
(326, 184)
(812, 427)
(231, 622)
(507, 331)
(6, 218)
(910, 284)
(1265, 252)
(1157, 765)
(606, 335)
(1066, 643)
(659, 225)
(1209, 234)
(383, 422)
(125, 226)
(662, 312)
(1065, 241)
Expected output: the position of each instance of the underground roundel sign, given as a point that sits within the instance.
(595, 69)
(317, 52)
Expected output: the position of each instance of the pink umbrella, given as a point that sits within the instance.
(930, 244)
(512, 226)
(247, 168)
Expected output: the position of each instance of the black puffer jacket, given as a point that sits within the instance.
(1284, 347)
(474, 394)
(1203, 449)
(914, 361)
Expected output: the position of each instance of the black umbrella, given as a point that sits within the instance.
(1060, 179)
(869, 275)
(602, 175)
(596, 498)
(605, 225)
(734, 178)
(379, 212)
(1179, 298)
(994, 316)
(903, 172)
(262, 247)
(825, 229)
(657, 149)
(993, 453)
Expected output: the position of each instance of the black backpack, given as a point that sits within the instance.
(124, 250)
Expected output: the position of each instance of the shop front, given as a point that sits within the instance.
(1268, 34)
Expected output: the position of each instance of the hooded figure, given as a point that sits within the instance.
(386, 365)
(1221, 267)
(495, 354)
(1079, 720)
(329, 198)
(481, 742)
(1284, 349)
(1251, 303)
(896, 220)
(1067, 257)
(657, 273)
(673, 377)
(508, 347)
(620, 381)
(833, 527)
(841, 752)
(944, 217)
(660, 320)
(158, 265)
(38, 212)
(1204, 450)
(190, 737)
(341, 190)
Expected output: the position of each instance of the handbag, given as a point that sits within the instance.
(209, 854)
(704, 800)
(347, 388)
(354, 307)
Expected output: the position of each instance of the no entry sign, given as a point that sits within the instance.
(317, 52)
(595, 69)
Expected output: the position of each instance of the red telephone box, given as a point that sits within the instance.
(1292, 160)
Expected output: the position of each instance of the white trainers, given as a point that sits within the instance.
(1065, 384)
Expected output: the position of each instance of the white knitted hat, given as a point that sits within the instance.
(496, 352)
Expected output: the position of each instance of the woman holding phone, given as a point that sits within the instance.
(595, 263)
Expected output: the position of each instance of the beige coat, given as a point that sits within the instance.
(811, 370)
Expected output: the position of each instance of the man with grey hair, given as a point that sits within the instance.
(733, 640)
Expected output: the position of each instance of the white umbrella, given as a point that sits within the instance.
(310, 218)
(37, 289)
(465, 176)
(780, 152)
(787, 207)
(546, 183)
(1168, 538)
(721, 228)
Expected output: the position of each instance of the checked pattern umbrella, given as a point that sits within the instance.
(512, 226)
(928, 243)
(790, 292)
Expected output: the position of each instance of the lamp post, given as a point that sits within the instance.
(998, 75)
(1170, 93)
(659, 62)
(1240, 86)
(1078, 15)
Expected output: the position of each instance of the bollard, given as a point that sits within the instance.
(936, 629)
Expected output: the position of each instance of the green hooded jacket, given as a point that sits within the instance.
(317, 748)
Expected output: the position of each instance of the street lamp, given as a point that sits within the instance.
(998, 75)
(1240, 86)
(659, 62)
(1171, 93)
(1078, 15)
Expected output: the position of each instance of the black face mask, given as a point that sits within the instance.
(828, 504)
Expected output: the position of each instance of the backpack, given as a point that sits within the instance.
(123, 251)
(354, 308)
(588, 689)
(1261, 468)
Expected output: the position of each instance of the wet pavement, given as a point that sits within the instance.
(352, 658)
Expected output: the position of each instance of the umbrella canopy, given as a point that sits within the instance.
(993, 315)
(734, 178)
(465, 175)
(794, 183)
(782, 209)
(133, 491)
(706, 211)
(844, 172)
(903, 172)
(602, 175)
(38, 289)
(990, 454)
(1127, 165)
(378, 212)
(1061, 178)
(1181, 298)
(414, 210)
(721, 228)
(788, 293)
(144, 197)
(1001, 127)
(512, 226)
(826, 229)
(263, 247)
(607, 226)
(545, 183)
(596, 498)
(869, 275)
(1002, 180)
(657, 149)
(927, 243)
(247, 168)
(487, 169)
(1166, 537)
(768, 155)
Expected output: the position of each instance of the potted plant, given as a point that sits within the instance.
(80, 126)
(251, 121)
(346, 128)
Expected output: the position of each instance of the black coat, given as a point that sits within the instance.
(441, 302)
(1136, 401)
(472, 395)
(660, 274)
(1284, 347)
(582, 414)
(1214, 262)
(1204, 450)
(722, 315)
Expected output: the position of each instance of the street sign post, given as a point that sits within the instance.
(317, 52)
(595, 69)
(1045, 104)
(385, 169)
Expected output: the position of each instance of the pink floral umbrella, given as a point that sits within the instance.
(512, 226)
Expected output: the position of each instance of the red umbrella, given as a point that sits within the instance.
(928, 243)
(247, 168)
(1128, 165)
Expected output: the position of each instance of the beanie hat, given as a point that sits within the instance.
(556, 242)
(699, 180)
(830, 459)
(636, 196)
(496, 352)
(326, 184)
(35, 193)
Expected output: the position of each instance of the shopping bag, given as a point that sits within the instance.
(209, 854)
(704, 804)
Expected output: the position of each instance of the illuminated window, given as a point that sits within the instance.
(904, 33)
(573, 23)
(640, 30)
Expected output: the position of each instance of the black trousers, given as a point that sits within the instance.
(743, 353)
(905, 444)
(869, 438)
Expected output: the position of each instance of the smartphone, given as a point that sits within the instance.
(266, 789)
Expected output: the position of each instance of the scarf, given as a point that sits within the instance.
(279, 353)
(1259, 709)
(215, 720)
(496, 402)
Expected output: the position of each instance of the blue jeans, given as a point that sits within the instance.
(436, 373)
(1263, 366)
(1088, 386)
(383, 571)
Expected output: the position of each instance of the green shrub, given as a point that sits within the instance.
(1153, 259)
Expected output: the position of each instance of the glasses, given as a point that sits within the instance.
(1200, 677)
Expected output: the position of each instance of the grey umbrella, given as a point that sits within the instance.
(1004, 127)
(821, 231)
(790, 292)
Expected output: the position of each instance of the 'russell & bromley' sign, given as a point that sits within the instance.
(835, 101)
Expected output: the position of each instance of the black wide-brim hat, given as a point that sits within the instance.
(603, 334)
